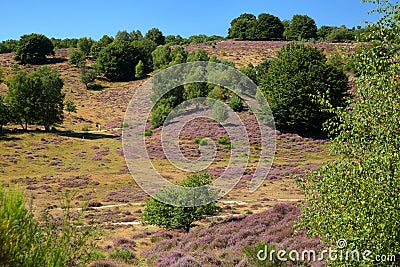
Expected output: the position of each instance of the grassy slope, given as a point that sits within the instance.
(50, 164)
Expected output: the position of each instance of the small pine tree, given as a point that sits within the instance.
(139, 70)
(219, 112)
(87, 75)
(236, 103)
(76, 58)
(70, 106)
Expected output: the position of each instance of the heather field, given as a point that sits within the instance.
(87, 163)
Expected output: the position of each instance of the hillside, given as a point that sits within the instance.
(91, 165)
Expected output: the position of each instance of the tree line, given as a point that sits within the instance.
(300, 27)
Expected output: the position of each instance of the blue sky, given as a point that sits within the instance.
(93, 18)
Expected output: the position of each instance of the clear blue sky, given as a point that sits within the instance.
(93, 18)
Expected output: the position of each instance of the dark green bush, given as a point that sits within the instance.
(236, 103)
(300, 87)
(33, 49)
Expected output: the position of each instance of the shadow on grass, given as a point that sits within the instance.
(96, 87)
(4, 137)
(90, 136)
(55, 60)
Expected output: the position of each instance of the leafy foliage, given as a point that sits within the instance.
(160, 112)
(139, 70)
(236, 103)
(76, 58)
(8, 46)
(88, 75)
(36, 97)
(161, 57)
(5, 116)
(242, 27)
(301, 27)
(118, 60)
(219, 112)
(156, 36)
(248, 27)
(356, 197)
(268, 27)
(299, 87)
(85, 45)
(70, 106)
(99, 45)
(25, 242)
(33, 49)
(174, 217)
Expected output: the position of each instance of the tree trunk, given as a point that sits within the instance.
(187, 228)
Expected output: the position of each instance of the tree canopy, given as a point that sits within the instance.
(299, 85)
(248, 27)
(36, 98)
(356, 197)
(175, 217)
(301, 27)
(156, 36)
(33, 49)
(118, 60)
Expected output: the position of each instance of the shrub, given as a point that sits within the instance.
(148, 132)
(176, 217)
(5, 116)
(139, 70)
(122, 254)
(70, 106)
(76, 58)
(236, 103)
(160, 112)
(219, 112)
(54, 243)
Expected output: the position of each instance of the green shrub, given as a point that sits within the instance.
(236, 103)
(176, 217)
(76, 58)
(219, 112)
(56, 242)
(251, 253)
(160, 112)
(125, 255)
(148, 132)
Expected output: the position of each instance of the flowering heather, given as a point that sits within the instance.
(104, 263)
(77, 181)
(125, 194)
(123, 242)
(223, 243)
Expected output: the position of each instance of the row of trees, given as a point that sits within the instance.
(300, 27)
